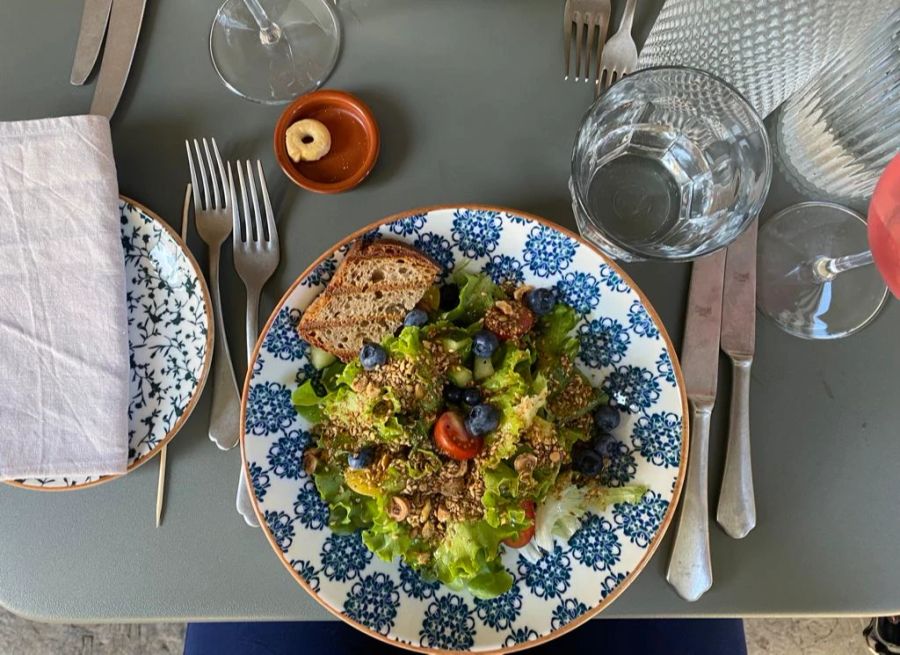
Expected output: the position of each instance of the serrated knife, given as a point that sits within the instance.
(125, 19)
(737, 507)
(94, 18)
(690, 568)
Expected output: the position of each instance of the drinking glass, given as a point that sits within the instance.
(815, 278)
(669, 164)
(271, 51)
(839, 132)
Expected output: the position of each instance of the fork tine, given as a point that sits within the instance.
(579, 39)
(200, 165)
(589, 46)
(244, 204)
(236, 239)
(257, 214)
(195, 188)
(270, 215)
(602, 28)
(212, 175)
(567, 37)
(221, 173)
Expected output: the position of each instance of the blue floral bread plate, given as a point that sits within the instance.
(169, 339)
(624, 348)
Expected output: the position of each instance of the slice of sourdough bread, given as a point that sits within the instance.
(371, 292)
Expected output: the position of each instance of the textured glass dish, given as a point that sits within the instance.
(766, 49)
(669, 164)
(836, 135)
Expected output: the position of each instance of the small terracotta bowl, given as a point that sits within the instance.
(354, 141)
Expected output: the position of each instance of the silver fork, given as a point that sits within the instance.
(584, 19)
(620, 54)
(254, 239)
(212, 211)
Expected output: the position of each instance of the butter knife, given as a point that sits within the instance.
(94, 18)
(125, 19)
(690, 568)
(737, 507)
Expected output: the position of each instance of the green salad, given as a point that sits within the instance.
(469, 431)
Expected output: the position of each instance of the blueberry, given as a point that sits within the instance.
(585, 459)
(484, 343)
(598, 441)
(606, 418)
(449, 296)
(540, 301)
(453, 394)
(482, 419)
(371, 355)
(362, 458)
(471, 396)
(416, 318)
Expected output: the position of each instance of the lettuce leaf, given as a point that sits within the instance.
(554, 330)
(467, 558)
(407, 344)
(477, 292)
(348, 510)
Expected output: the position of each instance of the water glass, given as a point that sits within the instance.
(669, 164)
(835, 137)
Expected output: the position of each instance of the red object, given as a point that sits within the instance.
(884, 225)
(452, 438)
(355, 141)
(526, 534)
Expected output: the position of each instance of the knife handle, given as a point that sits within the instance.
(737, 507)
(690, 568)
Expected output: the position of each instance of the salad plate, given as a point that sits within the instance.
(623, 350)
(169, 339)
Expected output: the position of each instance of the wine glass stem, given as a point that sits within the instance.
(269, 32)
(827, 268)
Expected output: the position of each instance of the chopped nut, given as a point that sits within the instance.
(399, 508)
(521, 290)
(426, 511)
(419, 391)
(427, 530)
(457, 469)
(555, 456)
(422, 558)
(311, 460)
(525, 463)
(442, 514)
(453, 487)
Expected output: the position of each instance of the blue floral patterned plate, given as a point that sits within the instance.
(169, 339)
(624, 347)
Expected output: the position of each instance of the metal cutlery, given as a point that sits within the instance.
(690, 568)
(254, 239)
(161, 482)
(584, 20)
(125, 18)
(213, 216)
(94, 18)
(737, 507)
(620, 53)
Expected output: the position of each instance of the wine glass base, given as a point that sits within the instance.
(275, 70)
(788, 292)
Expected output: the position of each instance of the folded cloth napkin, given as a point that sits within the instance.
(64, 368)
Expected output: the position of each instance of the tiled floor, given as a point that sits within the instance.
(21, 637)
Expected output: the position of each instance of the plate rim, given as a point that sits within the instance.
(676, 367)
(201, 382)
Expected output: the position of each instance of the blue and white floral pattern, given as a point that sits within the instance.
(623, 350)
(169, 334)
(476, 232)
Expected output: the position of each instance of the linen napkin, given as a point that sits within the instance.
(64, 365)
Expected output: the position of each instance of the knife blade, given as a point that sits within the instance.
(125, 19)
(737, 508)
(690, 568)
(93, 26)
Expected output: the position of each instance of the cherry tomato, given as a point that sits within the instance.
(452, 438)
(526, 534)
(508, 319)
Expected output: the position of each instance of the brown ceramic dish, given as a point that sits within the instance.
(354, 141)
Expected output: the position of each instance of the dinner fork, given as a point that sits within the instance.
(584, 18)
(620, 54)
(254, 239)
(212, 213)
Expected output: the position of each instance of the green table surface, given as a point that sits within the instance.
(473, 108)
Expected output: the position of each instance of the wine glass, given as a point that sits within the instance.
(271, 51)
(809, 284)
